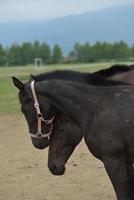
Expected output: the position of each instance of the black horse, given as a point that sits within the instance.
(97, 78)
(122, 73)
(87, 107)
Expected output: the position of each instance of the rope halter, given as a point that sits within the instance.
(40, 118)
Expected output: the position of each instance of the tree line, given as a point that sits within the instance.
(102, 52)
(25, 53)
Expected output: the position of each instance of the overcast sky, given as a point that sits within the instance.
(47, 9)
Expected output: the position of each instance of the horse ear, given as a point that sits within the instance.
(18, 83)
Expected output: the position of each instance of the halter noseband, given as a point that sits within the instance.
(40, 117)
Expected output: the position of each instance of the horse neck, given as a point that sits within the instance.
(78, 101)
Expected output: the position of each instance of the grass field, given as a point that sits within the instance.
(8, 93)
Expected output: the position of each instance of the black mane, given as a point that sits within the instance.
(88, 78)
(114, 70)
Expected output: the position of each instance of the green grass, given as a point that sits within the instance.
(9, 102)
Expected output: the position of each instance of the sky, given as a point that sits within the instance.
(31, 10)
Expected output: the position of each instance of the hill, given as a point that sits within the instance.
(111, 24)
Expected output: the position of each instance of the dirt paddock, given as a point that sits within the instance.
(24, 174)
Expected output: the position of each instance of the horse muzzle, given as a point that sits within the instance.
(56, 169)
(40, 143)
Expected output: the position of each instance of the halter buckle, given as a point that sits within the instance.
(39, 116)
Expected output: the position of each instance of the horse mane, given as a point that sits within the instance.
(59, 74)
(114, 70)
(75, 76)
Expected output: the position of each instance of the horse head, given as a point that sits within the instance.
(34, 119)
(63, 142)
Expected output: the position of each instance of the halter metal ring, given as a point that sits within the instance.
(39, 116)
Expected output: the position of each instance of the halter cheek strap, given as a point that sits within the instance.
(40, 118)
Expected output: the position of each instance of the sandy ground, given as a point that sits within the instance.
(24, 174)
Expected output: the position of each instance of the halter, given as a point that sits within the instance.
(40, 117)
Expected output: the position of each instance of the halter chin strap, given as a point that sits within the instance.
(40, 118)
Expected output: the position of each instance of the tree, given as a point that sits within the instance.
(57, 54)
(36, 49)
(13, 56)
(120, 50)
(98, 51)
(26, 53)
(45, 53)
(2, 56)
(106, 49)
(132, 52)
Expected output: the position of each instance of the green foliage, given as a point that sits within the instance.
(57, 54)
(14, 55)
(45, 53)
(24, 54)
(2, 55)
(102, 52)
